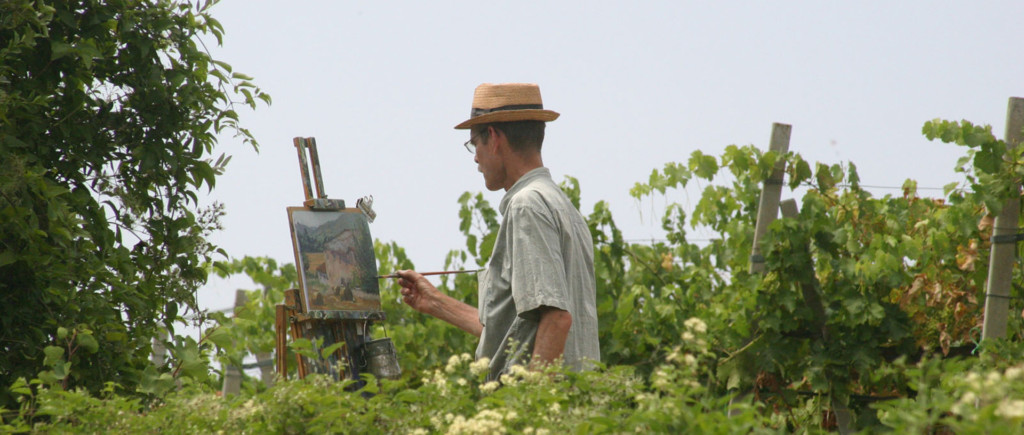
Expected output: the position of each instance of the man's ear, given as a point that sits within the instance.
(498, 137)
(493, 132)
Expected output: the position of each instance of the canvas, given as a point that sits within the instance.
(335, 259)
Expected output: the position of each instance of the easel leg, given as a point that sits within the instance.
(281, 344)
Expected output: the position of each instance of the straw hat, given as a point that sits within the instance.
(507, 102)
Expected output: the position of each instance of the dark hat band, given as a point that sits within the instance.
(477, 112)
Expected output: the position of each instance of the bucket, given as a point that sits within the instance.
(382, 358)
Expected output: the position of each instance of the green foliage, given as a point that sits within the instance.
(853, 283)
(452, 399)
(109, 111)
(865, 304)
(479, 223)
(992, 171)
(250, 330)
(423, 341)
(982, 395)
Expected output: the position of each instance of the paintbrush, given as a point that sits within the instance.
(447, 272)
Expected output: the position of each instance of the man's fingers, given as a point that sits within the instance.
(408, 300)
(409, 276)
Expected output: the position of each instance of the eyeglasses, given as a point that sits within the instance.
(470, 146)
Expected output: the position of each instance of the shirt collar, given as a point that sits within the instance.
(536, 173)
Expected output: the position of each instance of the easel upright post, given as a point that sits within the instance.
(314, 157)
(339, 293)
(300, 146)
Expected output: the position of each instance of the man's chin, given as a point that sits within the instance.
(492, 187)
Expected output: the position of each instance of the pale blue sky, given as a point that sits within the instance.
(381, 84)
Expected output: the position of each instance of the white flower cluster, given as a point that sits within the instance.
(480, 366)
(1011, 409)
(489, 387)
(690, 360)
(248, 409)
(518, 373)
(321, 380)
(660, 379)
(665, 376)
(203, 404)
(683, 356)
(696, 325)
(1000, 389)
(440, 380)
(456, 361)
(693, 336)
(440, 423)
(454, 371)
(487, 421)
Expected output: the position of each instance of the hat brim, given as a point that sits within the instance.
(510, 116)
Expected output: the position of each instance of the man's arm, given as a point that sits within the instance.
(552, 332)
(422, 296)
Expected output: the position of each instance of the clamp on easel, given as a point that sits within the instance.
(338, 295)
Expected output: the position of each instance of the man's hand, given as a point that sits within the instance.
(422, 296)
(417, 292)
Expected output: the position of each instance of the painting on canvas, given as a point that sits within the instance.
(335, 260)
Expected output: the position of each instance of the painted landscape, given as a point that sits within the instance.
(335, 255)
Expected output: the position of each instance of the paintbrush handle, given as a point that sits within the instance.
(447, 272)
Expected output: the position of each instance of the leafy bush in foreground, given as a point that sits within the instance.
(983, 395)
(451, 399)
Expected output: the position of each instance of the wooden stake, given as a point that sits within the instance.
(768, 206)
(232, 373)
(1004, 242)
(811, 291)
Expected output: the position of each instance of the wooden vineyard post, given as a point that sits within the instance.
(1004, 240)
(768, 206)
(232, 373)
(811, 290)
(159, 357)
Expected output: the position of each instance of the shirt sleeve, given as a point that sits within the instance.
(538, 272)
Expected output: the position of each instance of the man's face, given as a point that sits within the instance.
(489, 161)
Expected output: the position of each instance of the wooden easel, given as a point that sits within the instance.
(302, 317)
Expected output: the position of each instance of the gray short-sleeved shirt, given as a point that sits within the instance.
(543, 256)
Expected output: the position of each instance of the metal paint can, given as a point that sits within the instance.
(383, 358)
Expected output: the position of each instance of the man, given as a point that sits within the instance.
(537, 301)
